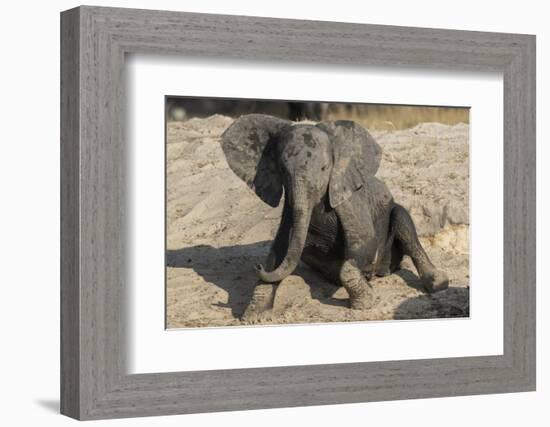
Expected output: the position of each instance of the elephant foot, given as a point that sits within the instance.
(362, 299)
(436, 281)
(359, 289)
(261, 301)
(254, 318)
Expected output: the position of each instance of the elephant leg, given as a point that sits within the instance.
(261, 301)
(263, 295)
(359, 289)
(407, 241)
(393, 254)
(360, 250)
(390, 260)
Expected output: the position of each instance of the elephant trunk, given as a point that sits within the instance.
(301, 213)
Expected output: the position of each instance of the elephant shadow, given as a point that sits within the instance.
(452, 303)
(231, 268)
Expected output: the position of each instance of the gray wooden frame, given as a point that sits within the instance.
(94, 41)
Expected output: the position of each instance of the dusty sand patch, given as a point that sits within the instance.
(218, 230)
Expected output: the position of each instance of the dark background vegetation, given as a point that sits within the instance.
(372, 116)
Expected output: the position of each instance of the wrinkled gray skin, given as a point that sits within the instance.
(338, 217)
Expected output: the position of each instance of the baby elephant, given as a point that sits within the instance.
(338, 217)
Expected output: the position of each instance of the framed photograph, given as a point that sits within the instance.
(262, 213)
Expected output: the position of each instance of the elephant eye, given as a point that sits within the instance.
(323, 168)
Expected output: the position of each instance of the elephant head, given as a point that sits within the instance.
(308, 161)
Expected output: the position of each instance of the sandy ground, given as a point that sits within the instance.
(217, 230)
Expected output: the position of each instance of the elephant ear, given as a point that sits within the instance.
(357, 157)
(250, 147)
